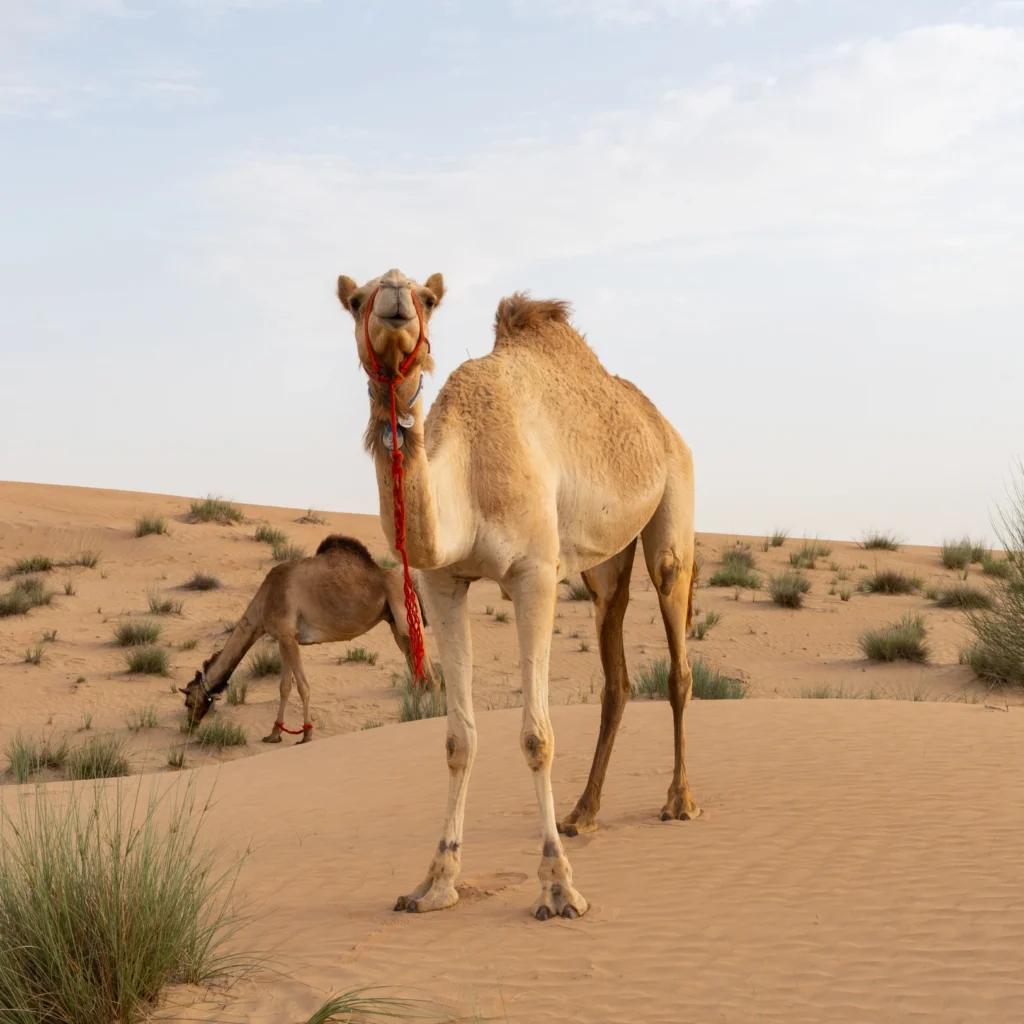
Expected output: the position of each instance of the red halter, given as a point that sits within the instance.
(412, 611)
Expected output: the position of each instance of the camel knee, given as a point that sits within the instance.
(538, 748)
(667, 567)
(460, 750)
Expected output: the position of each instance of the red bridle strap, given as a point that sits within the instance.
(294, 732)
(412, 610)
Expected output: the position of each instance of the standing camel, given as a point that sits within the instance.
(338, 594)
(534, 463)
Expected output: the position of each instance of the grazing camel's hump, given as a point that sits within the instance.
(542, 403)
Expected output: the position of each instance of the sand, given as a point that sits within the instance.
(857, 860)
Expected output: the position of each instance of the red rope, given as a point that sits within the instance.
(293, 732)
(412, 611)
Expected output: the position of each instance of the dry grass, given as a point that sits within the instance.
(134, 632)
(708, 683)
(161, 604)
(737, 570)
(360, 654)
(807, 555)
(577, 590)
(218, 734)
(286, 551)
(788, 588)
(201, 581)
(146, 525)
(903, 640)
(23, 596)
(890, 581)
(880, 540)
(701, 629)
(778, 538)
(265, 661)
(101, 757)
(965, 597)
(147, 661)
(214, 510)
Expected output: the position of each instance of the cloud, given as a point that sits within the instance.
(638, 11)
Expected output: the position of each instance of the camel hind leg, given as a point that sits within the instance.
(668, 551)
(286, 689)
(609, 583)
(290, 656)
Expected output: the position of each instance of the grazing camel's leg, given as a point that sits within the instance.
(533, 589)
(290, 650)
(447, 601)
(668, 551)
(286, 689)
(609, 582)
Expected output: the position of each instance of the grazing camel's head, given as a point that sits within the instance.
(198, 698)
(395, 322)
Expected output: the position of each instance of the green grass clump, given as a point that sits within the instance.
(266, 661)
(501, 616)
(356, 1007)
(149, 661)
(33, 563)
(964, 597)
(286, 551)
(25, 756)
(422, 701)
(25, 595)
(890, 581)
(708, 683)
(880, 540)
(141, 718)
(133, 632)
(189, 645)
(34, 655)
(87, 558)
(238, 690)
(103, 902)
(778, 538)
(788, 588)
(577, 590)
(958, 554)
(161, 604)
(218, 734)
(214, 510)
(702, 628)
(267, 534)
(145, 525)
(360, 654)
(69, 588)
(845, 593)
(201, 581)
(902, 640)
(737, 570)
(807, 555)
(997, 568)
(101, 757)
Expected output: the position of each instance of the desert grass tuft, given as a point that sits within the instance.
(189, 645)
(358, 1007)
(25, 566)
(420, 702)
(737, 570)
(577, 590)
(965, 597)
(101, 757)
(372, 723)
(105, 901)
(890, 581)
(69, 588)
(149, 661)
(88, 558)
(501, 616)
(218, 734)
(34, 655)
(145, 525)
(701, 629)
(708, 683)
(238, 690)
(26, 756)
(880, 540)
(312, 517)
(845, 593)
(134, 632)
(201, 581)
(788, 588)
(141, 718)
(267, 534)
(903, 640)
(958, 554)
(997, 568)
(24, 595)
(176, 758)
(266, 661)
(161, 604)
(214, 510)
(286, 551)
(778, 538)
(807, 555)
(826, 691)
(360, 654)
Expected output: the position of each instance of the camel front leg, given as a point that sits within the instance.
(286, 689)
(447, 601)
(533, 592)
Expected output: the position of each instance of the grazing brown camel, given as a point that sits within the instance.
(534, 463)
(338, 594)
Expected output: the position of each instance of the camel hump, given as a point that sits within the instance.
(519, 313)
(349, 545)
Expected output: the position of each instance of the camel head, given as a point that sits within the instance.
(394, 322)
(198, 698)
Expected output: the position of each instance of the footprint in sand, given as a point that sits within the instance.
(489, 885)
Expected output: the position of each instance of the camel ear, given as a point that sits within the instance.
(346, 289)
(181, 689)
(436, 285)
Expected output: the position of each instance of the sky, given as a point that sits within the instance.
(797, 225)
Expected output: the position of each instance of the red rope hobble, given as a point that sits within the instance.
(412, 610)
(293, 732)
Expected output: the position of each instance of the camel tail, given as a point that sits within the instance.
(694, 575)
(249, 628)
(518, 313)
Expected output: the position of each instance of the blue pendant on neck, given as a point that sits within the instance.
(389, 440)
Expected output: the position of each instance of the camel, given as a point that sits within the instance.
(534, 463)
(338, 594)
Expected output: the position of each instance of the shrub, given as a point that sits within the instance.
(778, 538)
(956, 554)
(807, 555)
(145, 525)
(132, 632)
(101, 757)
(214, 510)
(878, 540)
(218, 734)
(737, 570)
(998, 568)
(34, 655)
(267, 534)
(788, 588)
(577, 590)
(708, 683)
(238, 690)
(25, 595)
(161, 604)
(313, 517)
(141, 718)
(266, 661)
(25, 757)
(285, 551)
(99, 910)
(890, 581)
(965, 597)
(34, 563)
(201, 581)
(900, 640)
(150, 661)
(702, 628)
(361, 654)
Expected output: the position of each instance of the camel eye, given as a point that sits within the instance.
(429, 302)
(353, 304)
